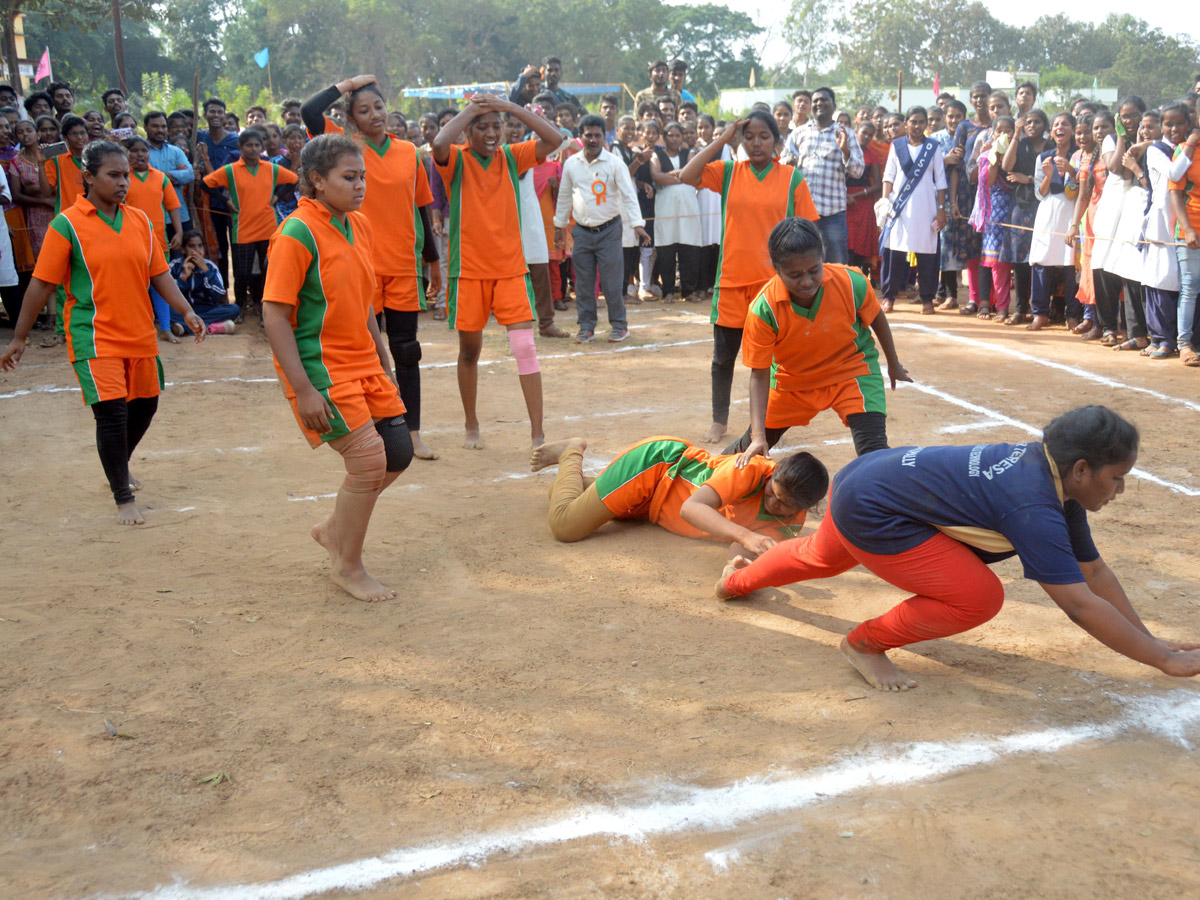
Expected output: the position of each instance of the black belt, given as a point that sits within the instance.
(598, 228)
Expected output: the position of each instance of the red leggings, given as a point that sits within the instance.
(953, 590)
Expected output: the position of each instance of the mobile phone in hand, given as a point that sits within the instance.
(58, 148)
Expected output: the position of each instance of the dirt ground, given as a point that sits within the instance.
(516, 681)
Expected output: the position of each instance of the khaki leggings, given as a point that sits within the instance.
(576, 509)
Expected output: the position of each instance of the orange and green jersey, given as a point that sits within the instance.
(819, 345)
(322, 269)
(655, 477)
(152, 192)
(1190, 186)
(396, 187)
(105, 266)
(65, 175)
(752, 203)
(483, 236)
(251, 190)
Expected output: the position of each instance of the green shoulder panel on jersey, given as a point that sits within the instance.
(858, 284)
(514, 178)
(693, 471)
(79, 321)
(761, 309)
(796, 180)
(636, 461)
(312, 306)
(454, 232)
(726, 180)
(233, 196)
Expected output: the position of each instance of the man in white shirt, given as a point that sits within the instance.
(597, 189)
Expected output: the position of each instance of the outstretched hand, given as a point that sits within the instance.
(897, 372)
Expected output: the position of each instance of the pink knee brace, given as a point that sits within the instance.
(523, 348)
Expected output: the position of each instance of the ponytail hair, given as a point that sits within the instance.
(794, 237)
(1094, 434)
(320, 155)
(803, 478)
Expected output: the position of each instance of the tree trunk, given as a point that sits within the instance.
(10, 45)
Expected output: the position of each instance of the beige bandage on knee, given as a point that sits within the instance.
(366, 463)
(576, 509)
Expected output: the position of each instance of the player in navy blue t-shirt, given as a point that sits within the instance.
(929, 520)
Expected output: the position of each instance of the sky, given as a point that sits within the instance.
(1013, 12)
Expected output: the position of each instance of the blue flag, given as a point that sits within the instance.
(262, 57)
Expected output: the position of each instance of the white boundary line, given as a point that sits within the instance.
(1001, 419)
(1050, 364)
(628, 348)
(686, 808)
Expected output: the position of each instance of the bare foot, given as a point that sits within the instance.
(359, 585)
(323, 533)
(134, 484)
(128, 514)
(549, 454)
(715, 432)
(877, 669)
(420, 451)
(537, 440)
(722, 592)
(168, 337)
(473, 441)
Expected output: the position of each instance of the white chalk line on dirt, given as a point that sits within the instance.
(1001, 419)
(1086, 375)
(628, 348)
(681, 808)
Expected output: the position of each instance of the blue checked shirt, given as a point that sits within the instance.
(814, 151)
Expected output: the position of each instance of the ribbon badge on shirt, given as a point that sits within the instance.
(600, 190)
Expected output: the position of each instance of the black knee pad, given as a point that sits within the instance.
(397, 442)
(406, 353)
(869, 431)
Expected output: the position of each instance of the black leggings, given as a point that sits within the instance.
(120, 424)
(868, 429)
(1108, 298)
(726, 344)
(401, 329)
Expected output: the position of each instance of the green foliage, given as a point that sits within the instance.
(1058, 85)
(808, 28)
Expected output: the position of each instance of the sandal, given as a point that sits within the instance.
(950, 303)
(1012, 320)
(1038, 323)
(1093, 335)
(52, 340)
(1108, 339)
(985, 312)
(1132, 344)
(969, 310)
(1164, 352)
(1148, 350)
(439, 314)
(1189, 357)
(927, 308)
(1083, 327)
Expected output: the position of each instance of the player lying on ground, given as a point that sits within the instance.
(331, 359)
(686, 490)
(930, 520)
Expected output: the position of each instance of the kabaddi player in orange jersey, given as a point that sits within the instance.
(686, 490)
(105, 255)
(483, 236)
(397, 203)
(331, 359)
(755, 195)
(809, 347)
(62, 179)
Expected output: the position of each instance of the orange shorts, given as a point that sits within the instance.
(354, 404)
(731, 304)
(401, 292)
(854, 395)
(471, 300)
(117, 378)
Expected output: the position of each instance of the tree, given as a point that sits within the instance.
(1149, 63)
(808, 29)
